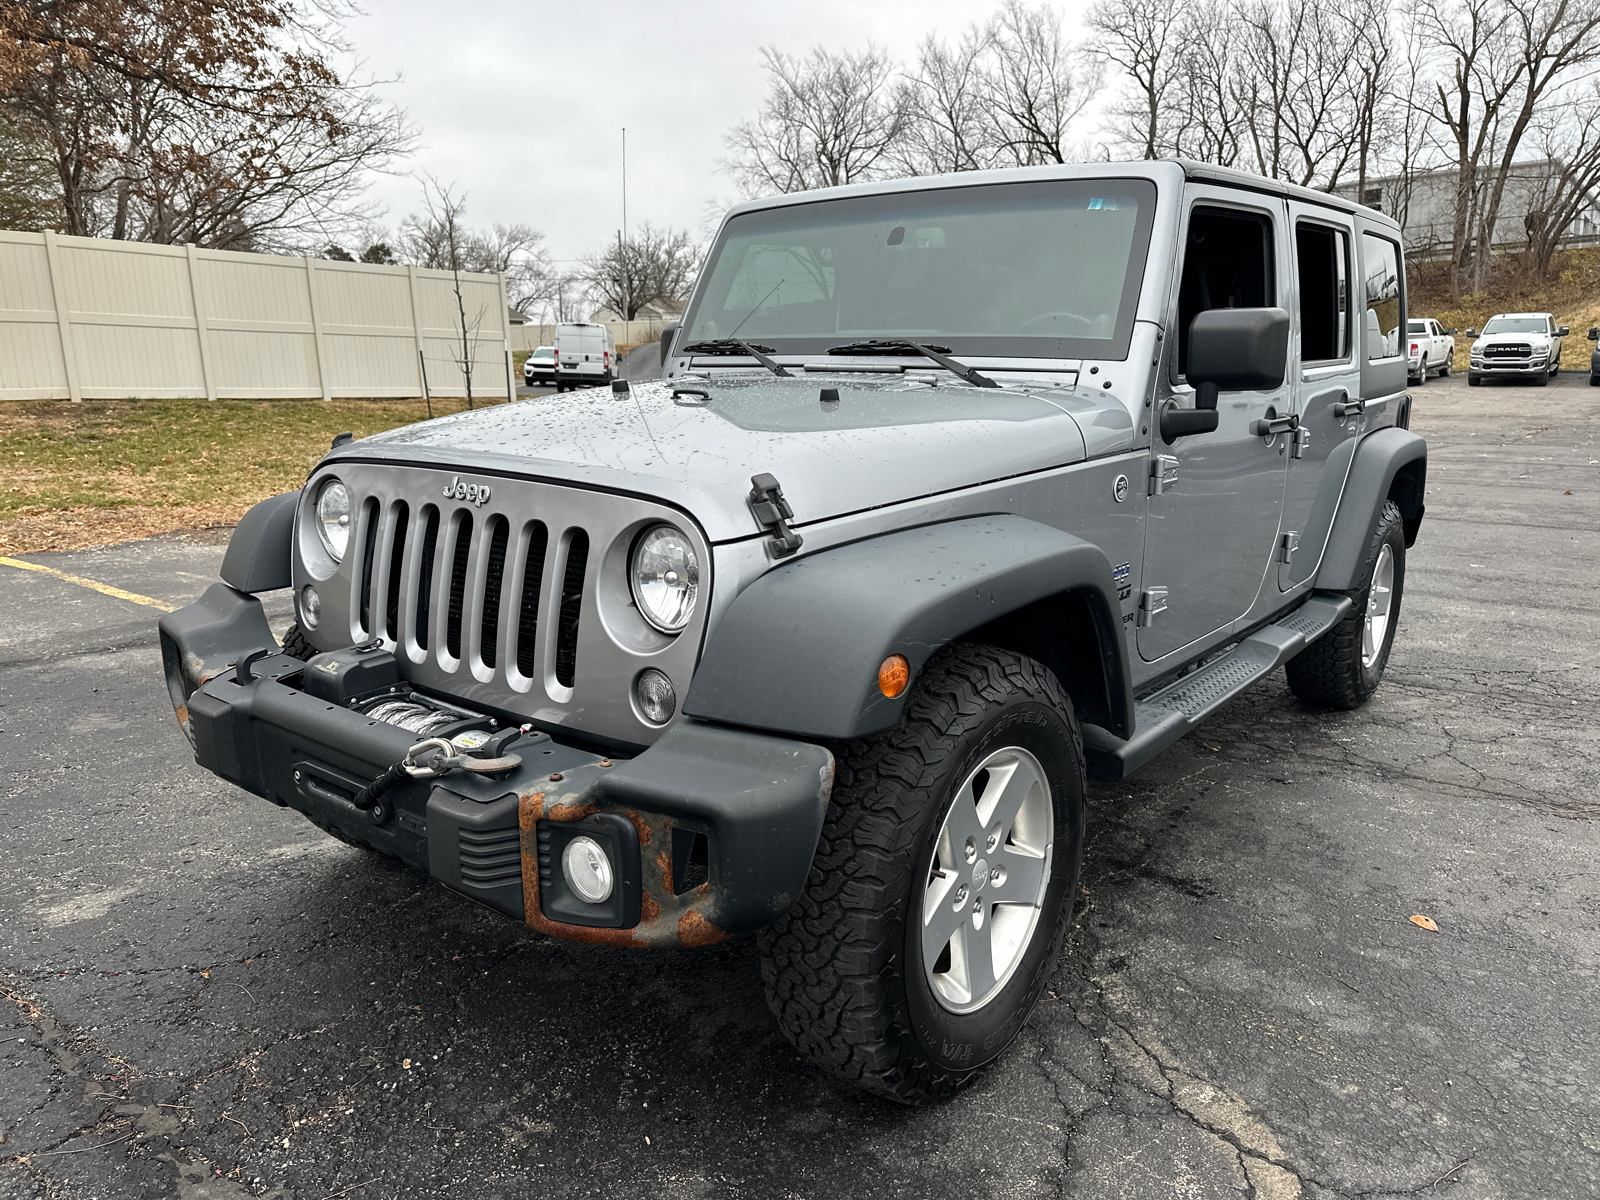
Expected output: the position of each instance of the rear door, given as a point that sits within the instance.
(1327, 376)
(1216, 498)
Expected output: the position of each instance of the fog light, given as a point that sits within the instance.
(656, 697)
(310, 606)
(587, 869)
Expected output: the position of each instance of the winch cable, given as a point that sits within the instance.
(428, 759)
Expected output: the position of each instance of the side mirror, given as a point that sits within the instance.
(1471, 332)
(1563, 330)
(1230, 349)
(1451, 331)
(666, 342)
(1594, 334)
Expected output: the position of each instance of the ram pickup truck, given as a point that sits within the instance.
(956, 493)
(1516, 346)
(1432, 348)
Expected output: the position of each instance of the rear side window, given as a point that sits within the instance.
(1380, 281)
(1322, 256)
(1227, 263)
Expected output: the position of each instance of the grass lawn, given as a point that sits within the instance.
(104, 471)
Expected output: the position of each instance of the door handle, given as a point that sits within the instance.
(1272, 426)
(1348, 407)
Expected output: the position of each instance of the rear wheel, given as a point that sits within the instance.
(1422, 374)
(943, 883)
(1345, 665)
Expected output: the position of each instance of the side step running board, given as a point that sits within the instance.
(1163, 718)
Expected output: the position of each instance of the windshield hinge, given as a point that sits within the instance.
(772, 513)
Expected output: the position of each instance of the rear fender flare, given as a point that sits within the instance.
(798, 650)
(1391, 464)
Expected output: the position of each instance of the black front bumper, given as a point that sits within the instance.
(724, 821)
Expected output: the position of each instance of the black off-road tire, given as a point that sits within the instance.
(1329, 673)
(842, 967)
(295, 644)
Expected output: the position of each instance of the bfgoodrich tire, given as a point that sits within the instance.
(898, 969)
(1345, 665)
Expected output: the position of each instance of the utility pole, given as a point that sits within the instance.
(624, 179)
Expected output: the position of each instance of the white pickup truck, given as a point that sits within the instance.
(1432, 347)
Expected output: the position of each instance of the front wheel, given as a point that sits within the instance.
(1445, 370)
(1543, 379)
(1474, 380)
(943, 882)
(1343, 667)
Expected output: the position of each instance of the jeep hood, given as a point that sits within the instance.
(886, 440)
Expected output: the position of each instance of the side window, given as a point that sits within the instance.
(1227, 263)
(1380, 280)
(1322, 258)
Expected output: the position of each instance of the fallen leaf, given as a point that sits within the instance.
(1423, 922)
(407, 1063)
(1568, 492)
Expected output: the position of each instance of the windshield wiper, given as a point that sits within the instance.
(730, 345)
(901, 346)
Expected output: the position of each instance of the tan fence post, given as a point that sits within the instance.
(316, 327)
(201, 329)
(505, 337)
(416, 329)
(58, 285)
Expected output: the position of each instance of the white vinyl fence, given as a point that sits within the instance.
(98, 319)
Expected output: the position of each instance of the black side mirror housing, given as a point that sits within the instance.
(667, 335)
(1471, 332)
(1594, 333)
(1563, 330)
(1230, 349)
(1237, 349)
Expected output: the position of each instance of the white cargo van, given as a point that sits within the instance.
(585, 356)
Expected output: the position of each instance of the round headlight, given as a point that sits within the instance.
(665, 577)
(333, 518)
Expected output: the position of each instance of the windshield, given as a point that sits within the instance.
(1039, 269)
(1517, 325)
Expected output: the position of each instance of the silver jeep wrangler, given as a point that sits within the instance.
(956, 493)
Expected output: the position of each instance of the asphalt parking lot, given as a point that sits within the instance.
(208, 998)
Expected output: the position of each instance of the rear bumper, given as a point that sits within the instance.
(750, 806)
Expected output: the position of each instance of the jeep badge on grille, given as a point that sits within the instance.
(473, 493)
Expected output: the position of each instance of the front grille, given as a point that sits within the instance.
(1509, 350)
(500, 603)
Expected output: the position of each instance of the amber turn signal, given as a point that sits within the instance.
(893, 675)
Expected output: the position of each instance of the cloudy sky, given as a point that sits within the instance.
(521, 105)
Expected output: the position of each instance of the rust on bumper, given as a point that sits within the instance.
(666, 919)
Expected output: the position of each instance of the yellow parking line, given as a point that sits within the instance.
(96, 585)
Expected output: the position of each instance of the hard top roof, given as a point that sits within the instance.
(1170, 171)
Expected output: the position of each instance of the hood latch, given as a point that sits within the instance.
(772, 513)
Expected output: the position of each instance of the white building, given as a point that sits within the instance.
(1425, 202)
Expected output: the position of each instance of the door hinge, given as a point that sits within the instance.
(1287, 545)
(1301, 439)
(1163, 473)
(1151, 601)
(772, 513)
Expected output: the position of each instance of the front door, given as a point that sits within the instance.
(1327, 377)
(1216, 498)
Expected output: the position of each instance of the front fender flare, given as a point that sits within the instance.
(1389, 464)
(798, 650)
(257, 558)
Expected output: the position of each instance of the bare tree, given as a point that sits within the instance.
(27, 180)
(654, 264)
(945, 128)
(441, 241)
(1035, 86)
(1565, 181)
(828, 119)
(1144, 39)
